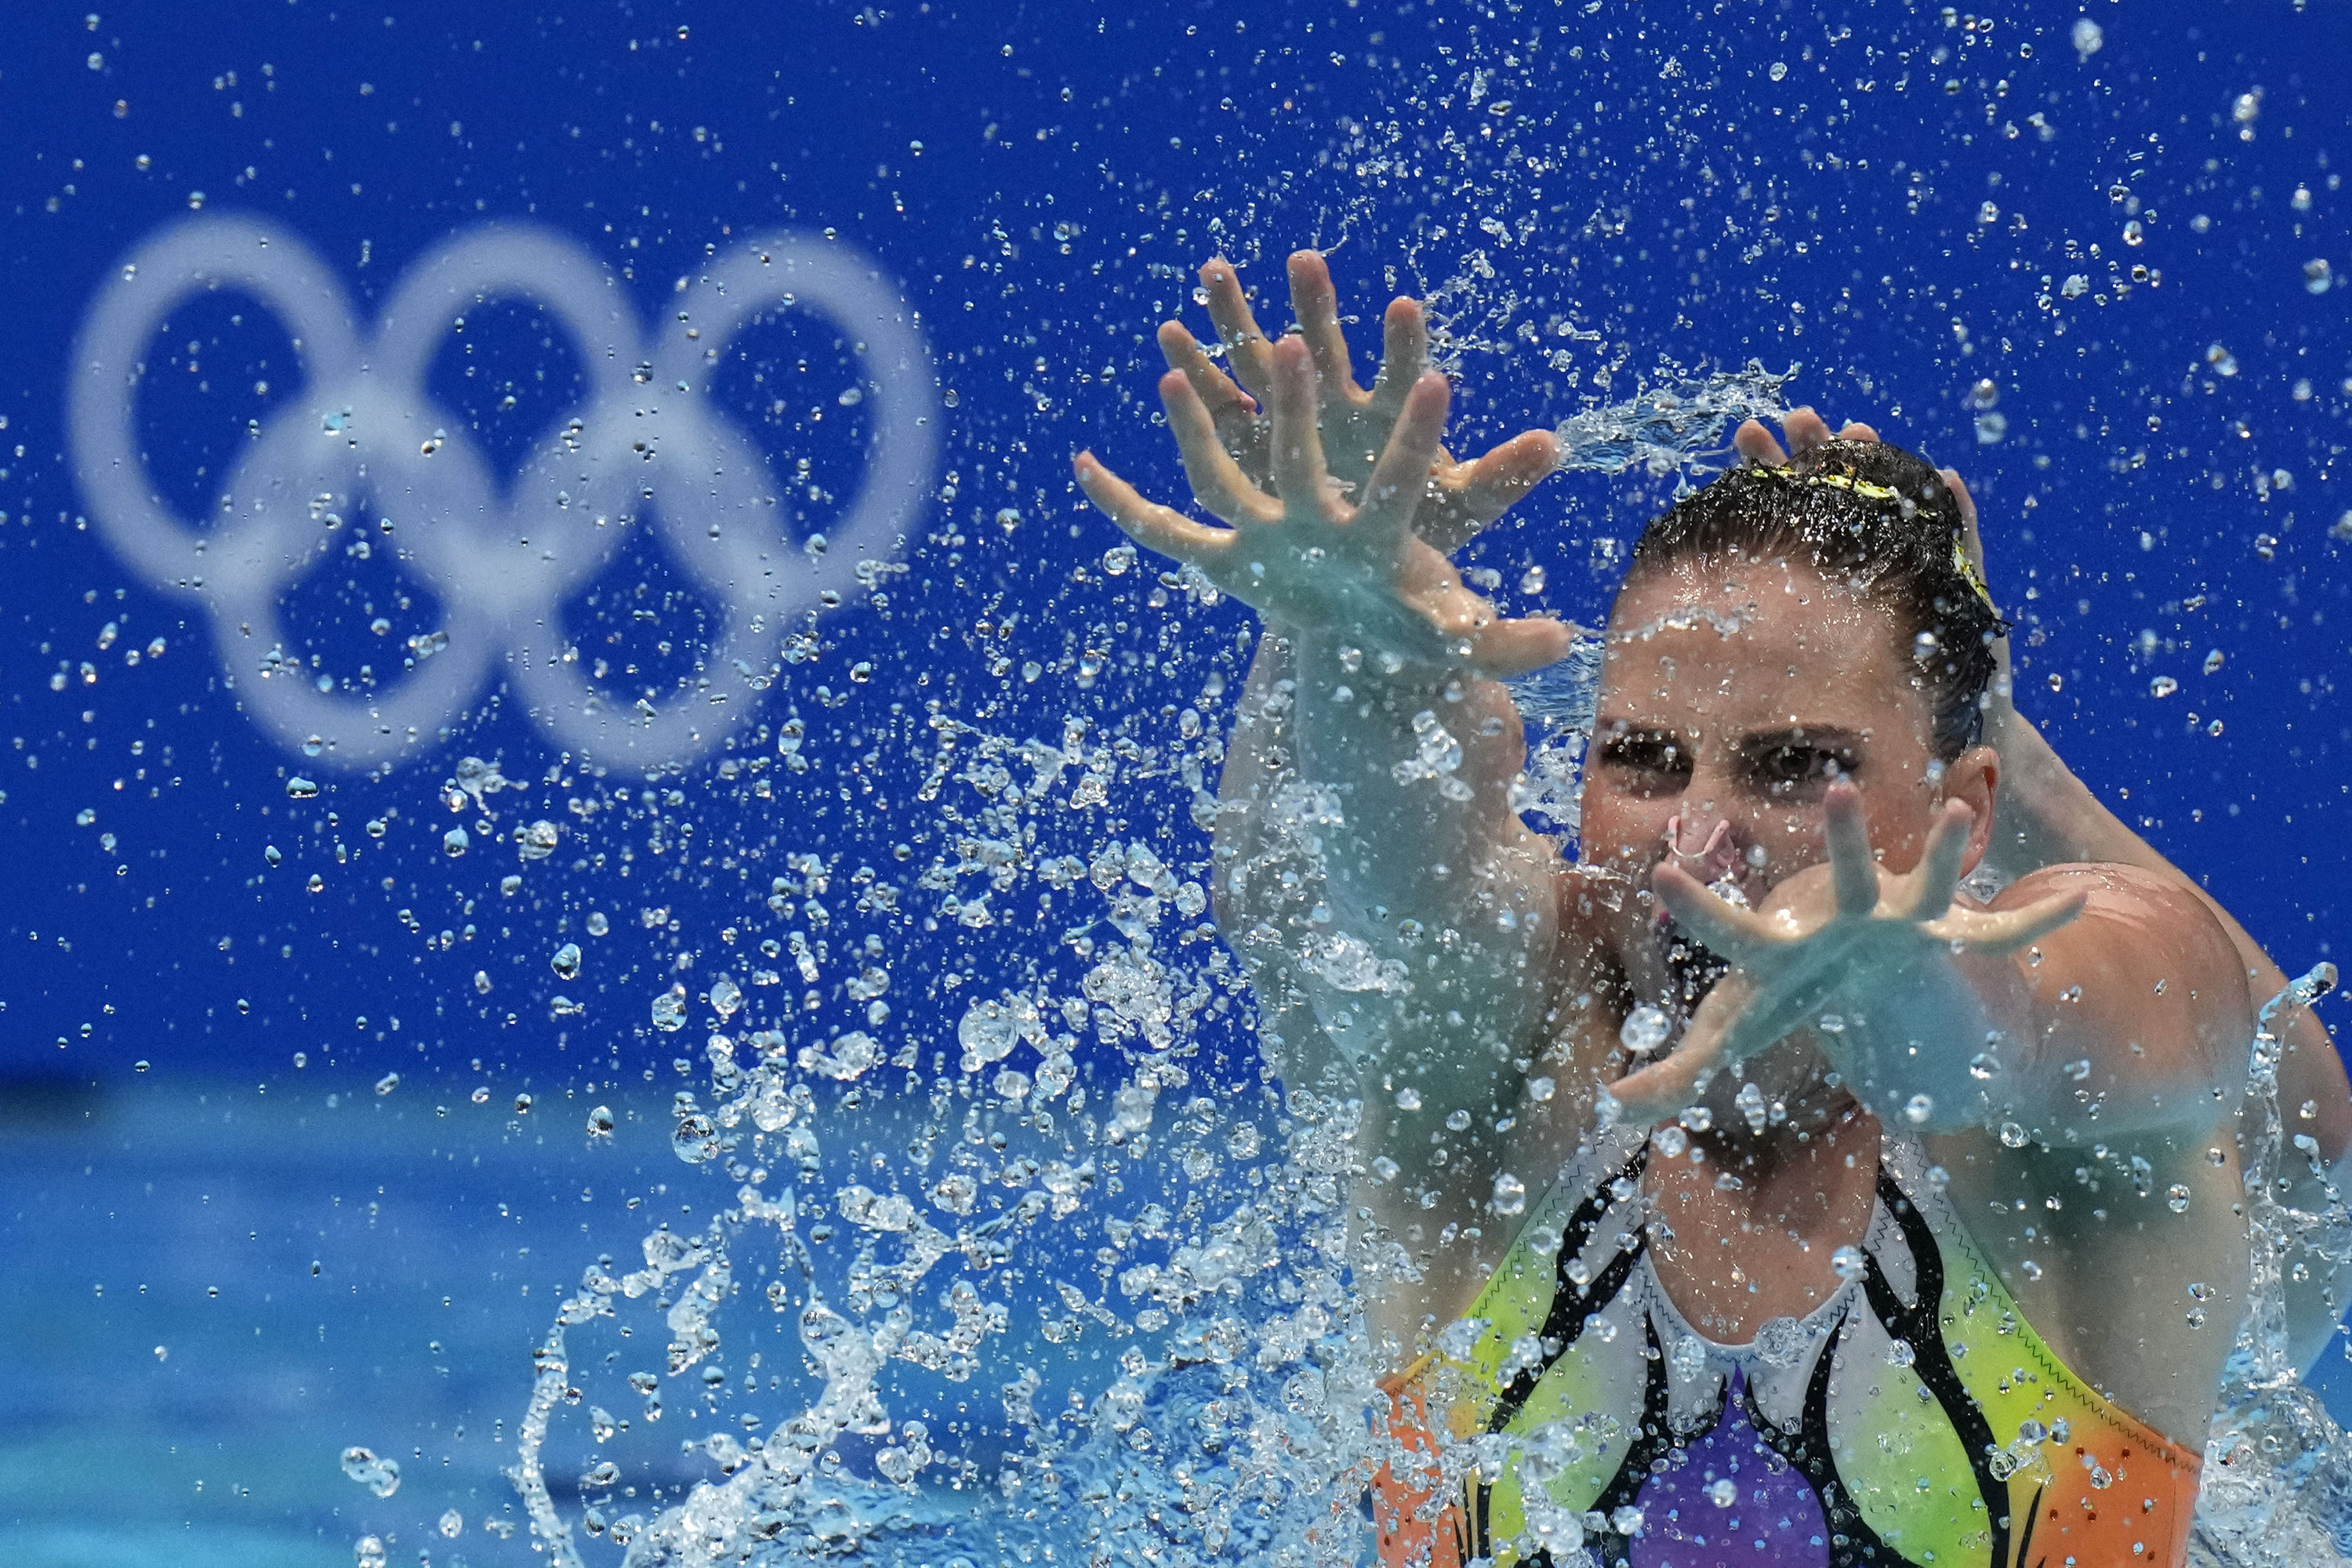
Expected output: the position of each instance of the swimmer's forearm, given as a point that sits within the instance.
(1421, 762)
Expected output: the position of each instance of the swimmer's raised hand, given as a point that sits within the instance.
(1463, 498)
(1308, 554)
(1853, 938)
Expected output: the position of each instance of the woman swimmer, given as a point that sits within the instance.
(1896, 1220)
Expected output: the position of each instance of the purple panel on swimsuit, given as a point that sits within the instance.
(1774, 1522)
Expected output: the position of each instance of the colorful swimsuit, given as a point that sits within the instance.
(1915, 1418)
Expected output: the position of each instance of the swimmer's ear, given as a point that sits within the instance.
(1973, 778)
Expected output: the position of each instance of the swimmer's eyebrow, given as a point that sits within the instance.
(1628, 729)
(1820, 737)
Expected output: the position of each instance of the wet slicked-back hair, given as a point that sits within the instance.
(1874, 518)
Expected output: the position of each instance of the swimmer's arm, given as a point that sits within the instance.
(2049, 815)
(1250, 896)
(1450, 893)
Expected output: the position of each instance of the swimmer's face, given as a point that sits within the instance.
(1736, 696)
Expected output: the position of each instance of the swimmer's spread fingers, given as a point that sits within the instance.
(1405, 354)
(1400, 477)
(1939, 869)
(1659, 1090)
(1150, 524)
(1217, 481)
(1502, 649)
(1300, 475)
(1183, 353)
(1485, 489)
(1314, 305)
(1758, 445)
(1245, 346)
(1853, 871)
(1742, 936)
(1805, 430)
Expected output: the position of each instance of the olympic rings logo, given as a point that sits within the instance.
(501, 557)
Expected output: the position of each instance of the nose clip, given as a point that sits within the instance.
(1710, 861)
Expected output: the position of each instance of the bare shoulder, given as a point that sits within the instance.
(2133, 915)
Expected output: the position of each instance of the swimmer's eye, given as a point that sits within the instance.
(1656, 762)
(1785, 769)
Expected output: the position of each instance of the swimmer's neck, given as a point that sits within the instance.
(1828, 1126)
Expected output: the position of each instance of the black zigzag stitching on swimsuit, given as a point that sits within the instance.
(1932, 1361)
(1853, 1543)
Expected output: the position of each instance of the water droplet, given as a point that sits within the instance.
(1510, 1194)
(1118, 559)
(1670, 1140)
(454, 843)
(452, 1524)
(2176, 1198)
(566, 961)
(696, 1139)
(1645, 1030)
(1723, 1494)
(387, 1083)
(522, 1105)
(2089, 37)
(1900, 1354)
(2213, 661)
(597, 925)
(1919, 1108)
(367, 1552)
(726, 997)
(1781, 1341)
(300, 788)
(381, 1476)
(2012, 1136)
(2163, 685)
(600, 1121)
(1848, 1263)
(2318, 276)
(1779, 71)
(1408, 1099)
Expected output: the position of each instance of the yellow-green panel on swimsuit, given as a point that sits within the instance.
(1576, 1408)
(1898, 1455)
(1572, 1415)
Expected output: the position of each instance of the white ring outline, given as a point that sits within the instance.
(501, 566)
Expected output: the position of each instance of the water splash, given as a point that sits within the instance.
(1671, 428)
(2277, 1486)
